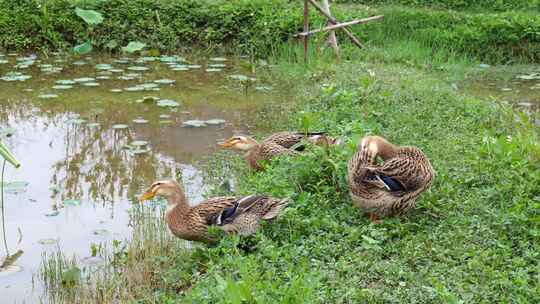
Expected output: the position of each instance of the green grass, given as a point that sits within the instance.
(474, 237)
(259, 27)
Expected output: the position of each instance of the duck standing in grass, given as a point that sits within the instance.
(393, 187)
(277, 144)
(240, 215)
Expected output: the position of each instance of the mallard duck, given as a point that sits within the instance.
(393, 187)
(240, 214)
(278, 143)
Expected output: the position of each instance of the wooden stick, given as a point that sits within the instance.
(329, 17)
(306, 29)
(340, 25)
(332, 39)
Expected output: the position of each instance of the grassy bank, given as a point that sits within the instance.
(259, 27)
(479, 5)
(473, 238)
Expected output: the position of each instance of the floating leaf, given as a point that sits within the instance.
(194, 123)
(79, 62)
(83, 48)
(220, 59)
(103, 66)
(133, 46)
(167, 103)
(101, 232)
(138, 68)
(140, 121)
(139, 143)
(7, 132)
(54, 213)
(11, 269)
(89, 16)
(116, 90)
(217, 65)
(140, 151)
(76, 121)
(165, 81)
(93, 125)
(215, 121)
(48, 96)
(164, 116)
(62, 87)
(15, 187)
(48, 241)
(120, 126)
(65, 82)
(71, 202)
(91, 84)
(84, 79)
(214, 70)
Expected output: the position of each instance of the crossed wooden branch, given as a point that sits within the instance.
(334, 25)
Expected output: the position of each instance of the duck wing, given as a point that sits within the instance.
(396, 175)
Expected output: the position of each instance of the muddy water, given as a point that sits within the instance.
(517, 85)
(80, 171)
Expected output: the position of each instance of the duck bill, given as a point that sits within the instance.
(148, 195)
(226, 144)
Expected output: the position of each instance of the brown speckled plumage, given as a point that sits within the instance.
(240, 215)
(277, 144)
(408, 167)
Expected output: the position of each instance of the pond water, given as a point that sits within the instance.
(518, 85)
(93, 132)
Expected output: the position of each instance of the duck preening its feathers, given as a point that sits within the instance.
(392, 187)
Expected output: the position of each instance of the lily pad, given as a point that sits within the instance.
(140, 121)
(103, 77)
(15, 76)
(194, 123)
(62, 87)
(120, 126)
(91, 84)
(217, 65)
(48, 96)
(101, 232)
(116, 90)
(165, 81)
(79, 63)
(84, 79)
(166, 122)
(177, 69)
(48, 241)
(216, 121)
(15, 187)
(138, 68)
(164, 116)
(167, 103)
(65, 82)
(220, 59)
(71, 202)
(140, 151)
(103, 66)
(93, 125)
(76, 121)
(213, 70)
(139, 143)
(7, 132)
(11, 269)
